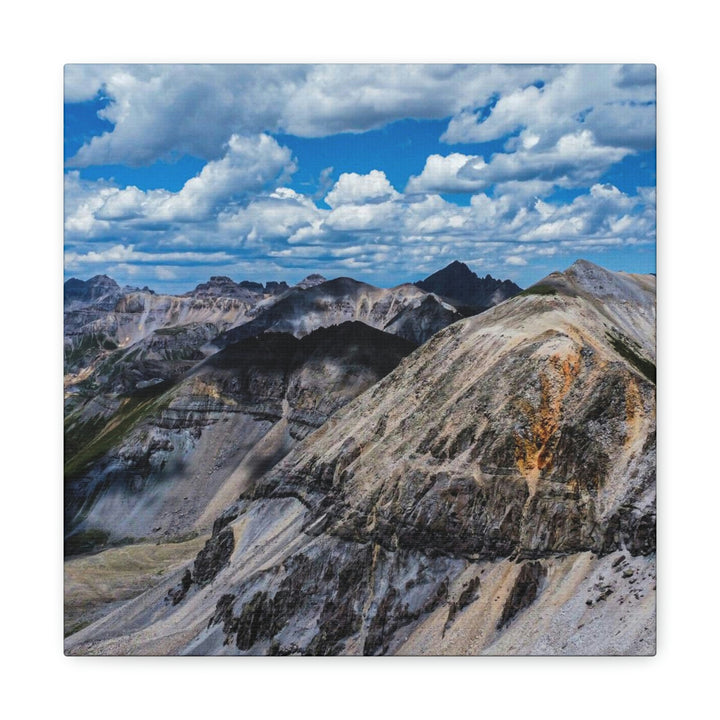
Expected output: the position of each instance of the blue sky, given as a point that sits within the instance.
(385, 173)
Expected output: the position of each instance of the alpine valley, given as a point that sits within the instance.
(451, 467)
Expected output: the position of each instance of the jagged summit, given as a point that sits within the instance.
(90, 290)
(103, 282)
(460, 284)
(303, 309)
(600, 282)
(219, 285)
(311, 281)
(223, 286)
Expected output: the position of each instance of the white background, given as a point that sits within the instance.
(37, 41)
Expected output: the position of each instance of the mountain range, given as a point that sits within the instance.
(450, 467)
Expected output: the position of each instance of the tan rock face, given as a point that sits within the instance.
(493, 494)
(508, 432)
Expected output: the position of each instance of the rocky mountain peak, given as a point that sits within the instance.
(460, 284)
(223, 286)
(600, 282)
(631, 295)
(311, 281)
(275, 288)
(89, 290)
(365, 496)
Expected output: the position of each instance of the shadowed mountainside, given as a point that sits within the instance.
(152, 466)
(462, 287)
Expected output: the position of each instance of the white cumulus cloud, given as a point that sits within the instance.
(352, 188)
(160, 111)
(598, 98)
(444, 174)
(249, 165)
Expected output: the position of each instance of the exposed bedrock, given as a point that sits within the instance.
(495, 493)
(165, 465)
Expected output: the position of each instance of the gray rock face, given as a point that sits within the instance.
(475, 500)
(311, 281)
(524, 591)
(155, 464)
(223, 286)
(214, 556)
(98, 288)
(304, 309)
(420, 322)
(101, 318)
(95, 330)
(161, 357)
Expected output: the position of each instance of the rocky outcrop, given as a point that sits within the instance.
(311, 281)
(524, 591)
(276, 288)
(214, 556)
(100, 288)
(178, 593)
(223, 286)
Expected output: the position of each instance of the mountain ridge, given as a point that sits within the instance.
(493, 494)
(216, 282)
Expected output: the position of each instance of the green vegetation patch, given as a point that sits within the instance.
(539, 289)
(177, 539)
(624, 347)
(81, 449)
(85, 541)
(78, 433)
(85, 348)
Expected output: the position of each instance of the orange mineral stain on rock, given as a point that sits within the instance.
(534, 451)
(633, 410)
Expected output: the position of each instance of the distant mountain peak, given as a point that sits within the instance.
(457, 264)
(311, 281)
(458, 283)
(89, 290)
(455, 268)
(220, 285)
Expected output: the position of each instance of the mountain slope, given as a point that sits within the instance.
(304, 309)
(95, 329)
(418, 322)
(154, 466)
(493, 494)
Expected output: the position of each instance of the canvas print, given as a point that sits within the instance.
(359, 360)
